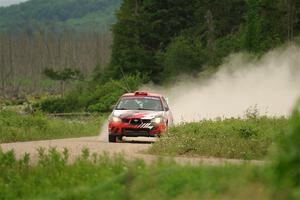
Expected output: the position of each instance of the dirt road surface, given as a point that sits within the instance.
(130, 148)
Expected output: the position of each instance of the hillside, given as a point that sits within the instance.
(59, 14)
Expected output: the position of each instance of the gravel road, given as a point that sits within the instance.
(131, 148)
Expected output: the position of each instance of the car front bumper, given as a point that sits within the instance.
(125, 129)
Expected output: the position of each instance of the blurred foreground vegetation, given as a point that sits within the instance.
(101, 177)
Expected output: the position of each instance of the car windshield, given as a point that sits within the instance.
(140, 103)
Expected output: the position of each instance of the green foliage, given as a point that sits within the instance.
(15, 127)
(143, 29)
(162, 39)
(91, 97)
(58, 15)
(103, 177)
(62, 75)
(231, 138)
(253, 30)
(104, 96)
(224, 46)
(181, 52)
(286, 163)
(58, 105)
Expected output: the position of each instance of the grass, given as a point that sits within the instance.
(248, 138)
(15, 127)
(101, 177)
(95, 176)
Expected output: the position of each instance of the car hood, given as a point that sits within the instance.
(140, 114)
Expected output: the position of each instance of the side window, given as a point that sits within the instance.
(166, 107)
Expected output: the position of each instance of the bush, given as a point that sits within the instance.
(58, 105)
(90, 97)
(286, 163)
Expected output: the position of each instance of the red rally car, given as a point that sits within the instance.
(139, 114)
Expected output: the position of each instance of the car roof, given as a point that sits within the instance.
(141, 94)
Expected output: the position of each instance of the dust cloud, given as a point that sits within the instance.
(270, 83)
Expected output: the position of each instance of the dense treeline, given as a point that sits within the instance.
(57, 15)
(165, 38)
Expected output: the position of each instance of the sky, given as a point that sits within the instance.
(10, 2)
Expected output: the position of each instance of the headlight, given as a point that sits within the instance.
(115, 119)
(158, 120)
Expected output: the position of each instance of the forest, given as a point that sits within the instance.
(57, 15)
(174, 37)
(148, 41)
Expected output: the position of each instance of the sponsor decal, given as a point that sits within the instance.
(146, 125)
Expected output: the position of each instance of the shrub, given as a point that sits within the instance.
(90, 97)
(286, 163)
(58, 105)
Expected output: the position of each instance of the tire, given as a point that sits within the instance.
(119, 139)
(112, 138)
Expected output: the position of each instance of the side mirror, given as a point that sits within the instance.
(167, 100)
(112, 107)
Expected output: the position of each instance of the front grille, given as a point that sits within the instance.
(135, 122)
(146, 121)
(135, 132)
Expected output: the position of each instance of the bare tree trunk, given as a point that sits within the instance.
(2, 65)
(9, 75)
(291, 15)
(23, 56)
(62, 86)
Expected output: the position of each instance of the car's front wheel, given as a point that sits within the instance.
(112, 138)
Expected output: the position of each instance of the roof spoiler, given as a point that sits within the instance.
(141, 93)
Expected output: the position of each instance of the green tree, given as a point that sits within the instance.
(145, 28)
(146, 33)
(63, 76)
(127, 54)
(253, 27)
(183, 55)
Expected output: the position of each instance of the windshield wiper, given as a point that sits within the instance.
(121, 109)
(143, 109)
